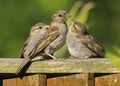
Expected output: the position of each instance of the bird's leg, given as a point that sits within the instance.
(71, 57)
(50, 55)
(86, 57)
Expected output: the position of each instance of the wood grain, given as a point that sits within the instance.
(97, 65)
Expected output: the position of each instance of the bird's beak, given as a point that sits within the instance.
(67, 15)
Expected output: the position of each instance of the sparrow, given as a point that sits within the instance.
(40, 37)
(44, 40)
(58, 21)
(37, 34)
(81, 44)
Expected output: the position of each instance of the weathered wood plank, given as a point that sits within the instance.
(83, 79)
(91, 79)
(97, 65)
(69, 80)
(108, 80)
(32, 80)
(19, 82)
(35, 80)
(9, 82)
(42, 80)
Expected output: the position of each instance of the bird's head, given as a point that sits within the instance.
(39, 27)
(60, 16)
(78, 27)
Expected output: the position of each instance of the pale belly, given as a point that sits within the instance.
(77, 49)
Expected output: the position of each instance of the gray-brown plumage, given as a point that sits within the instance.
(40, 37)
(58, 21)
(37, 34)
(81, 44)
(44, 41)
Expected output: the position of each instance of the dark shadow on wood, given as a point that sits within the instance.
(1, 82)
(103, 74)
(50, 75)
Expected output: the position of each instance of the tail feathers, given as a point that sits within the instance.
(23, 67)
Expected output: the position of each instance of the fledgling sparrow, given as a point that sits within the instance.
(37, 34)
(81, 44)
(58, 21)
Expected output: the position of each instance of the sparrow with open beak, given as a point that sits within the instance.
(81, 44)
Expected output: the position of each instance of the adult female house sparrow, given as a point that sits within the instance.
(81, 44)
(58, 21)
(37, 34)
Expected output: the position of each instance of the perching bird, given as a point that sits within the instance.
(46, 41)
(35, 44)
(81, 44)
(58, 21)
(37, 34)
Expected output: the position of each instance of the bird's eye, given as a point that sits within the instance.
(40, 27)
(60, 15)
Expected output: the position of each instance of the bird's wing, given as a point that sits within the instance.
(30, 45)
(52, 35)
(24, 47)
(93, 45)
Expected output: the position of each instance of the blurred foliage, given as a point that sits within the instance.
(100, 16)
(17, 17)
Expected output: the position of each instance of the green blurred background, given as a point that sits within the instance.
(102, 18)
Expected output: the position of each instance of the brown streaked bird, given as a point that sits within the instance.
(35, 44)
(46, 41)
(81, 44)
(58, 21)
(37, 34)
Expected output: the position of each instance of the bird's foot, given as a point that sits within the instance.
(71, 57)
(86, 57)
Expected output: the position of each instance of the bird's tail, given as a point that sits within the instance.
(23, 67)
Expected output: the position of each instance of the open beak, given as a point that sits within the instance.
(72, 22)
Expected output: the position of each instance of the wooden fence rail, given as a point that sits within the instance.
(68, 72)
